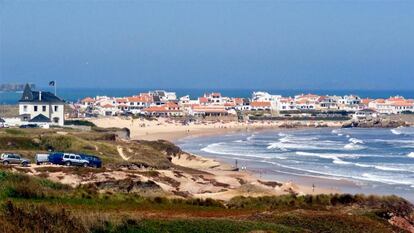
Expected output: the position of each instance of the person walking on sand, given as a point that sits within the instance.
(313, 188)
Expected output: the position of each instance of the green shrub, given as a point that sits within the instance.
(80, 122)
(53, 185)
(58, 143)
(17, 142)
(38, 219)
(15, 131)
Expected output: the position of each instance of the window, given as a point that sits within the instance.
(56, 108)
(44, 108)
(72, 157)
(35, 108)
(25, 108)
(56, 119)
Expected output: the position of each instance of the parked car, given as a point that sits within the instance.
(41, 158)
(74, 159)
(28, 126)
(11, 158)
(94, 161)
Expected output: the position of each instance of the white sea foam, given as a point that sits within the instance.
(335, 131)
(286, 139)
(276, 145)
(384, 168)
(353, 146)
(364, 176)
(410, 155)
(250, 137)
(396, 131)
(380, 167)
(331, 156)
(339, 161)
(376, 178)
(348, 136)
(220, 149)
(282, 134)
(292, 146)
(356, 141)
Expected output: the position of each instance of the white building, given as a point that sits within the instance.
(286, 104)
(164, 96)
(261, 96)
(392, 105)
(36, 106)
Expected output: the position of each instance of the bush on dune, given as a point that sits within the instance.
(386, 203)
(56, 143)
(37, 219)
(15, 185)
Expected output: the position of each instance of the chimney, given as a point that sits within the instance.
(40, 96)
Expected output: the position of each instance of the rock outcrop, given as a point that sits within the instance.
(374, 123)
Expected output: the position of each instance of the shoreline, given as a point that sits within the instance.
(220, 169)
(165, 129)
(174, 132)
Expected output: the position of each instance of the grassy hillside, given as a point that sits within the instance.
(99, 142)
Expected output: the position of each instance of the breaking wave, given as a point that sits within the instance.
(353, 146)
(356, 141)
(396, 131)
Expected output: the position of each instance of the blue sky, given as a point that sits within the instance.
(209, 44)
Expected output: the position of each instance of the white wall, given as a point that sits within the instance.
(49, 111)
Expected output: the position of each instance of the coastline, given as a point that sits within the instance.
(221, 170)
(174, 132)
(170, 130)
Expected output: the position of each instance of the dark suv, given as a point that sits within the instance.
(94, 161)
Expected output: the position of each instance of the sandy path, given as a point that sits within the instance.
(121, 153)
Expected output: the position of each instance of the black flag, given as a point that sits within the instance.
(52, 83)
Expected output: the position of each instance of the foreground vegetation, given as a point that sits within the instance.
(30, 204)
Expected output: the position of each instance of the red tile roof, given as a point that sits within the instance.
(203, 99)
(88, 100)
(260, 104)
(108, 106)
(140, 99)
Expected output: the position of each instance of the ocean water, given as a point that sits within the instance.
(75, 94)
(375, 161)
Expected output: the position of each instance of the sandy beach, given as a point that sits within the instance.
(167, 129)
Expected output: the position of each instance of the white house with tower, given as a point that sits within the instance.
(41, 107)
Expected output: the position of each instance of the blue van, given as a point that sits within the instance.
(56, 158)
(94, 161)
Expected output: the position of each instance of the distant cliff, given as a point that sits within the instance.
(12, 87)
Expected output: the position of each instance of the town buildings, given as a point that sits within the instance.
(161, 103)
